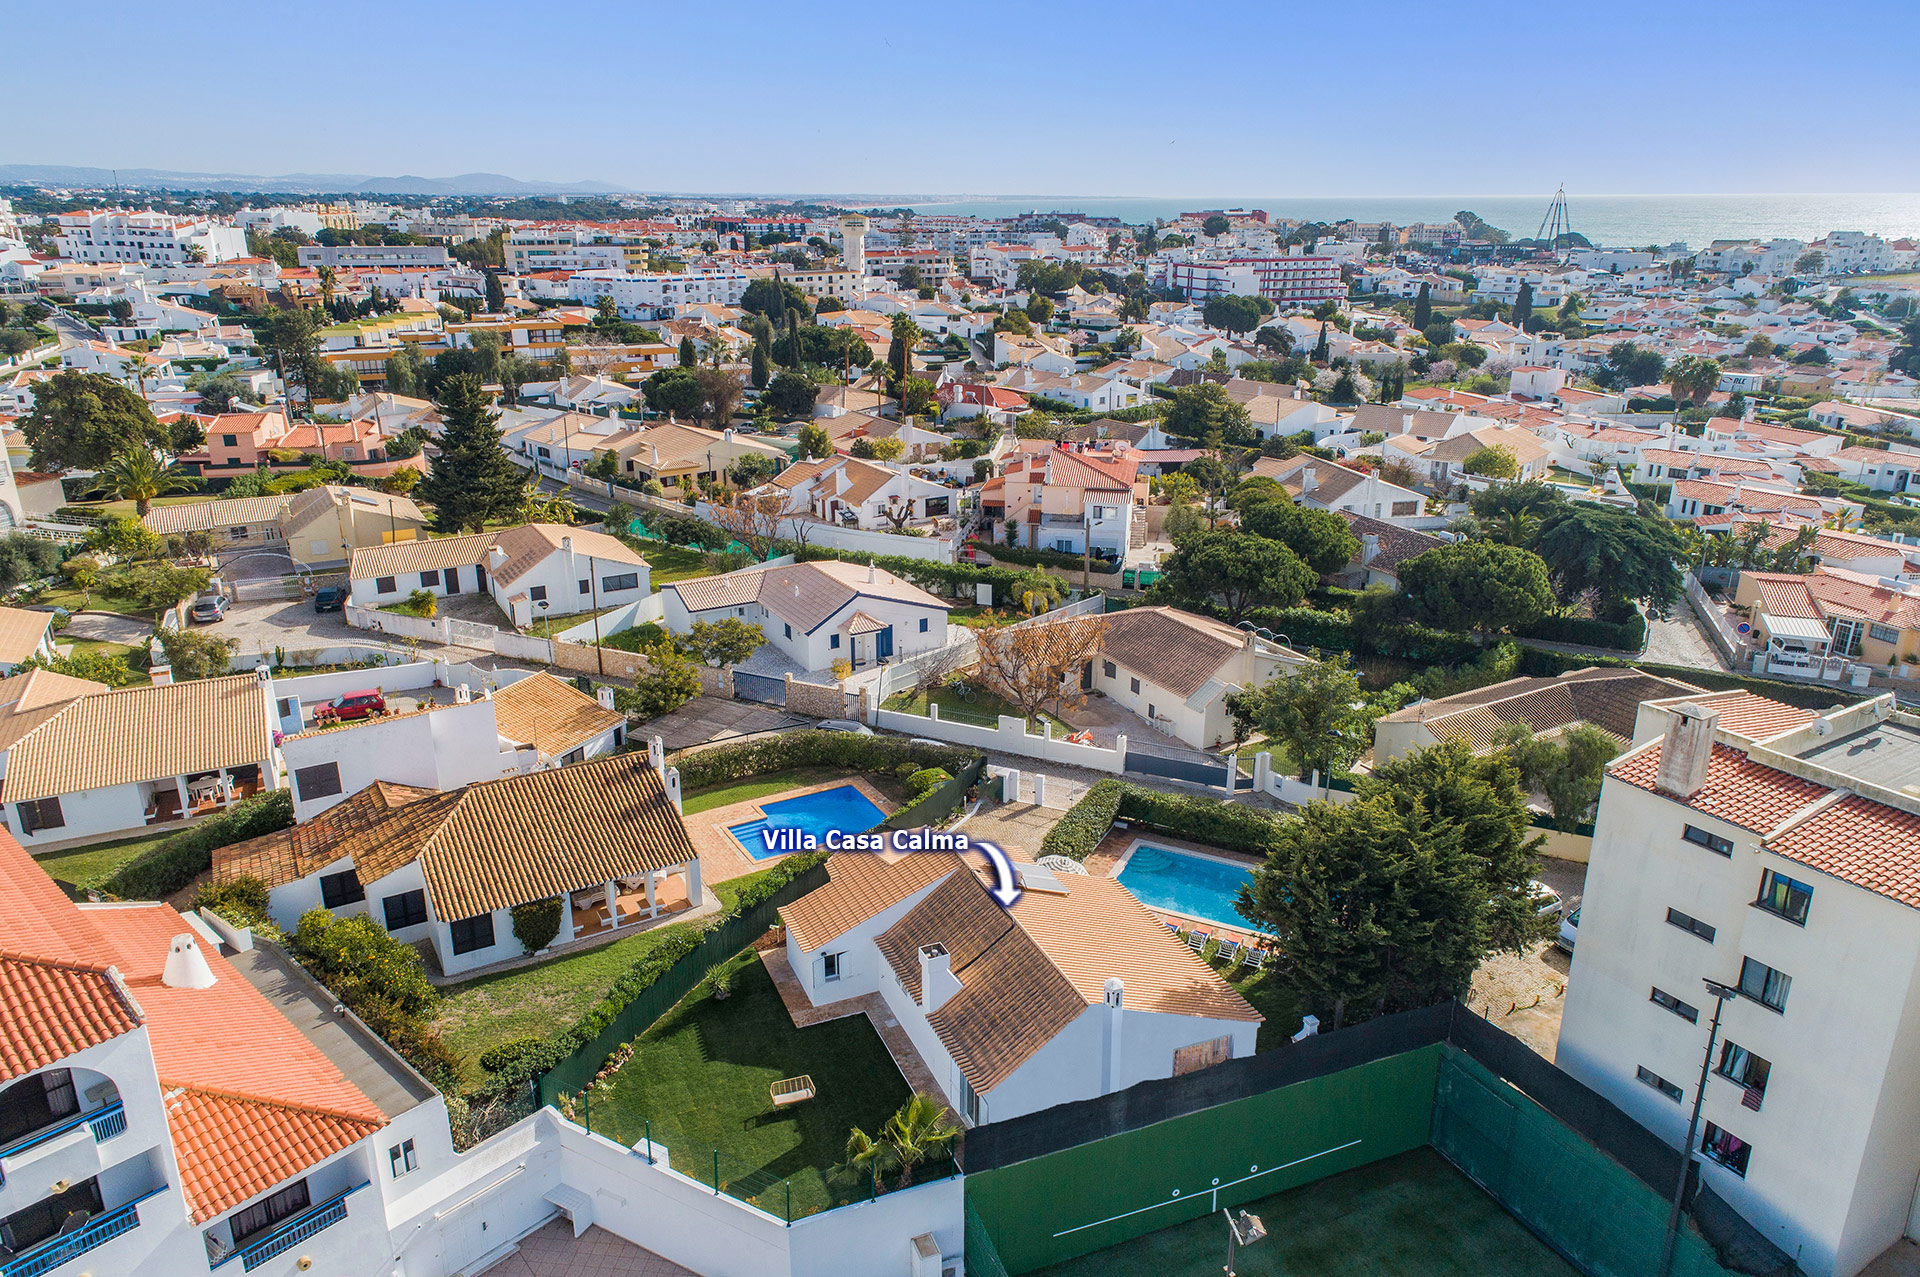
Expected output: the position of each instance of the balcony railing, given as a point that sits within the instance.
(289, 1232)
(57, 1250)
(106, 1123)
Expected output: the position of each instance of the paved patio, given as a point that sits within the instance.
(707, 720)
(553, 1251)
(106, 627)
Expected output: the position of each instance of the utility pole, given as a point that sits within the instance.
(1721, 993)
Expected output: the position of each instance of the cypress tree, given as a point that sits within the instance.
(1423, 308)
(1320, 347)
(688, 357)
(496, 295)
(760, 371)
(1523, 305)
(472, 480)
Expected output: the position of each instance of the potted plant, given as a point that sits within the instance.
(722, 981)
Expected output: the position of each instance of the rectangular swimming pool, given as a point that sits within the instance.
(1190, 885)
(843, 808)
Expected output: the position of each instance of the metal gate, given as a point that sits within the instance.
(760, 687)
(1191, 766)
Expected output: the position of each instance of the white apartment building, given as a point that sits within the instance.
(531, 248)
(661, 296)
(1756, 845)
(1291, 280)
(149, 238)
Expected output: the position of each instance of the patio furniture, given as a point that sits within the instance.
(1197, 940)
(1170, 926)
(1254, 957)
(791, 1090)
(203, 788)
(1228, 951)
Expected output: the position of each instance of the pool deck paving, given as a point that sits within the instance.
(721, 858)
(1106, 857)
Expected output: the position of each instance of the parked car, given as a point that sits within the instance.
(845, 725)
(353, 705)
(1569, 929)
(208, 608)
(1546, 901)
(329, 599)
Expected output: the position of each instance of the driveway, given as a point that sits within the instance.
(705, 720)
(288, 623)
(1525, 993)
(106, 627)
(1682, 639)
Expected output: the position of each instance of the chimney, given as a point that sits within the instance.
(263, 675)
(605, 696)
(495, 558)
(1406, 423)
(186, 966)
(160, 674)
(657, 754)
(1115, 998)
(1685, 752)
(566, 546)
(937, 981)
(463, 695)
(1307, 480)
(871, 577)
(1369, 548)
(673, 789)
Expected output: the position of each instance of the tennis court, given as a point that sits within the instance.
(1412, 1215)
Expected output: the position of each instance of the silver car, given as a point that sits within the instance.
(208, 608)
(1569, 929)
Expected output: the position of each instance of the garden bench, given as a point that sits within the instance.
(791, 1090)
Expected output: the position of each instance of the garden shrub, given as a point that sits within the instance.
(848, 751)
(498, 1058)
(175, 863)
(536, 923)
(924, 782)
(243, 902)
(1077, 833)
(382, 981)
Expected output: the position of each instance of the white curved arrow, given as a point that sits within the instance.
(1006, 884)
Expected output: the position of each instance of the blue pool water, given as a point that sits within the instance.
(1192, 885)
(843, 808)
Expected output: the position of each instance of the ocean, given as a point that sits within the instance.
(1610, 220)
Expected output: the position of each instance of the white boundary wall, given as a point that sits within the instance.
(1011, 737)
(507, 1185)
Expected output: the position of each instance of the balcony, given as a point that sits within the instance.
(288, 1233)
(66, 1149)
(65, 1247)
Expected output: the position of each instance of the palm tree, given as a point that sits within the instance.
(870, 1156)
(141, 474)
(920, 1132)
(1515, 528)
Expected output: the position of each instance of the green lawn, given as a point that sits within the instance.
(91, 865)
(1270, 995)
(980, 707)
(669, 563)
(548, 626)
(982, 617)
(535, 1001)
(700, 1074)
(762, 786)
(95, 600)
(1412, 1215)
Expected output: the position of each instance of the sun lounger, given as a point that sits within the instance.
(1228, 951)
(1255, 957)
(1197, 940)
(791, 1090)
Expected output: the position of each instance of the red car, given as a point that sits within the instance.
(353, 705)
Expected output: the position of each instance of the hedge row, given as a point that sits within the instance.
(1334, 631)
(382, 981)
(936, 578)
(1541, 663)
(1624, 636)
(1035, 558)
(188, 854)
(849, 751)
(513, 1066)
(1234, 826)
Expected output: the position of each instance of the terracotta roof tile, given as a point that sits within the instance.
(860, 886)
(552, 715)
(1755, 717)
(1608, 699)
(50, 1009)
(141, 733)
(232, 1148)
(1176, 650)
(1863, 842)
(21, 632)
(1738, 790)
(431, 554)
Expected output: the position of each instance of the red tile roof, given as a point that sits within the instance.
(1738, 790)
(250, 1100)
(1756, 717)
(1863, 842)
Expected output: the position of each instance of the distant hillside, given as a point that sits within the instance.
(293, 183)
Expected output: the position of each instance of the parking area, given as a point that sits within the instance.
(707, 719)
(1524, 993)
(395, 702)
(106, 627)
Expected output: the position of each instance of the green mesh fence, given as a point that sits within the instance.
(983, 1257)
(1599, 1215)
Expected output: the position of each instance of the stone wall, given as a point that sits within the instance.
(581, 658)
(816, 701)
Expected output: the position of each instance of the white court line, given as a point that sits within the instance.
(1214, 1189)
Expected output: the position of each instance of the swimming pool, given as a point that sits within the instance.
(1183, 883)
(843, 807)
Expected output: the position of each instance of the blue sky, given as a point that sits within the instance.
(1118, 98)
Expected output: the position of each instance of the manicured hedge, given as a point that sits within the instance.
(1234, 826)
(936, 578)
(1625, 636)
(1035, 558)
(1077, 833)
(849, 751)
(180, 859)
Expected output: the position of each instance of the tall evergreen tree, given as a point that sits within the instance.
(1320, 347)
(760, 372)
(1523, 305)
(496, 295)
(689, 358)
(472, 480)
(1423, 308)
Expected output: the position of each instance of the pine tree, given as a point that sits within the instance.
(472, 480)
(1423, 308)
(496, 295)
(689, 358)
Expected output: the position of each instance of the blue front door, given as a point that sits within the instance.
(883, 644)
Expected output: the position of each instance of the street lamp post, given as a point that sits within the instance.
(1720, 992)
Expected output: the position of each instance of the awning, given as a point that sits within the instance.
(1795, 629)
(861, 623)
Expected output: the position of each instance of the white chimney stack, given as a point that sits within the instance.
(657, 755)
(673, 789)
(1369, 548)
(160, 674)
(1688, 748)
(937, 981)
(871, 577)
(495, 557)
(463, 695)
(1114, 992)
(186, 966)
(1307, 480)
(605, 697)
